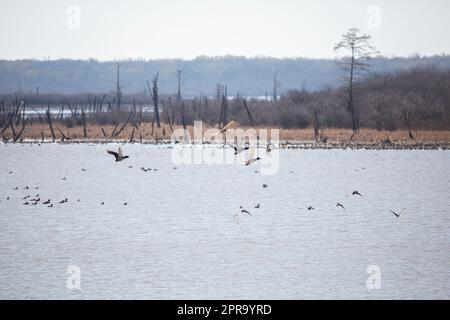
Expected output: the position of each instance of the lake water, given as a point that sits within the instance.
(178, 237)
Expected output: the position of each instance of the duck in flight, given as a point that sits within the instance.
(356, 193)
(242, 211)
(340, 205)
(239, 150)
(251, 158)
(397, 215)
(118, 155)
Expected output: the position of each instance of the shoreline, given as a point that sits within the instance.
(145, 133)
(284, 145)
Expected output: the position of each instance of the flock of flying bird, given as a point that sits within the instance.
(119, 156)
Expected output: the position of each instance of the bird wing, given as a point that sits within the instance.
(120, 152)
(115, 154)
(395, 213)
(240, 149)
(245, 211)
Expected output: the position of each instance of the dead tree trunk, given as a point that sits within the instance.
(83, 118)
(316, 125)
(63, 135)
(407, 117)
(132, 136)
(49, 120)
(183, 115)
(123, 126)
(17, 137)
(11, 125)
(153, 124)
(154, 94)
(225, 108)
(168, 118)
(248, 113)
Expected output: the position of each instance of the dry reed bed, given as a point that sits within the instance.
(331, 138)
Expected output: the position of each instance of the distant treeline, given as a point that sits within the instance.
(413, 99)
(200, 76)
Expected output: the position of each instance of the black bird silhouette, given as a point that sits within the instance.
(83, 169)
(356, 193)
(242, 211)
(257, 206)
(265, 186)
(397, 215)
(118, 155)
(340, 205)
(310, 208)
(126, 203)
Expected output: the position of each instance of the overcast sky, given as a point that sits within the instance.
(112, 29)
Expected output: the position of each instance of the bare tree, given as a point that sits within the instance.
(118, 92)
(275, 87)
(179, 86)
(360, 51)
(154, 94)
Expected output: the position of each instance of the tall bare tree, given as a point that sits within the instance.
(179, 86)
(154, 94)
(118, 91)
(275, 86)
(360, 49)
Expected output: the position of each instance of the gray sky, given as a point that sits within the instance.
(150, 29)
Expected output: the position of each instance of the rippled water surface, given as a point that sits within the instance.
(177, 237)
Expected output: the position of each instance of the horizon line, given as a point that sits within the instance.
(217, 57)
